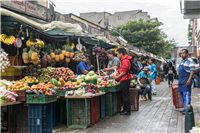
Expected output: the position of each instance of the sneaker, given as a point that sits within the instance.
(144, 98)
(125, 113)
(183, 113)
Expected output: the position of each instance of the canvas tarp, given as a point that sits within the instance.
(68, 27)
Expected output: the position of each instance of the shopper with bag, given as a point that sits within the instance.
(152, 75)
(124, 79)
(169, 72)
(186, 72)
(113, 63)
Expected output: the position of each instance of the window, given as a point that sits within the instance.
(132, 16)
(120, 17)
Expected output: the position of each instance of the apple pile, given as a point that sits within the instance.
(90, 88)
(64, 87)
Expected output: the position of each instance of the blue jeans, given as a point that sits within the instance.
(186, 98)
(170, 78)
(196, 81)
(141, 92)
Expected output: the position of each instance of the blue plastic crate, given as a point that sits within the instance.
(47, 118)
(53, 113)
(102, 107)
(35, 118)
(40, 118)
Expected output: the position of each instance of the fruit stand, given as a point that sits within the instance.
(38, 73)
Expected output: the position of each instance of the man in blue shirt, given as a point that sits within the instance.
(143, 81)
(152, 75)
(83, 66)
(138, 64)
(186, 72)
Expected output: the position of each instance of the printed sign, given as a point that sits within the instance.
(36, 10)
(16, 4)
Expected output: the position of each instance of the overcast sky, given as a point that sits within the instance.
(167, 11)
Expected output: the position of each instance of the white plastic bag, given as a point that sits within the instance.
(115, 73)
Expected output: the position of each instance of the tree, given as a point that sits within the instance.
(146, 35)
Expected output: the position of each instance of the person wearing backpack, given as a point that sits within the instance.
(169, 72)
(124, 79)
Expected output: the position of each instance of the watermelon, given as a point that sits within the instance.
(54, 82)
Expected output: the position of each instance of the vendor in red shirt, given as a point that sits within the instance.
(124, 79)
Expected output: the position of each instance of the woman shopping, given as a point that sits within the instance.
(169, 72)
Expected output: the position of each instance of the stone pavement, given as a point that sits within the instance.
(156, 116)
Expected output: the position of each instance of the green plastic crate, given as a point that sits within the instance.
(60, 111)
(78, 113)
(112, 89)
(118, 87)
(40, 99)
(103, 89)
(109, 104)
(91, 81)
(73, 80)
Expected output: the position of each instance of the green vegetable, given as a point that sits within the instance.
(3, 101)
(87, 77)
(91, 73)
(2, 96)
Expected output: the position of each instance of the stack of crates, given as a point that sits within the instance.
(4, 119)
(11, 73)
(177, 99)
(102, 107)
(40, 118)
(78, 113)
(95, 110)
(61, 111)
(115, 102)
(134, 97)
(109, 102)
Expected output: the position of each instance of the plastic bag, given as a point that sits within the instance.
(115, 73)
(10, 96)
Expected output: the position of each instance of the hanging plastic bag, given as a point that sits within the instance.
(115, 73)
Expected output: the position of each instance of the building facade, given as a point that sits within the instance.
(105, 19)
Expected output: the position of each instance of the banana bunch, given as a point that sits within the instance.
(36, 43)
(143, 62)
(39, 43)
(72, 45)
(2, 37)
(9, 40)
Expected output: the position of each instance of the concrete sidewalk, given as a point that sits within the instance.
(156, 116)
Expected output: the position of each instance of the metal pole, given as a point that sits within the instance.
(98, 65)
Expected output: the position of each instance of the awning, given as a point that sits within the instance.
(137, 53)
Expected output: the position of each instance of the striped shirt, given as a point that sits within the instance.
(188, 64)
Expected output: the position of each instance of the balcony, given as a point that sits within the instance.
(190, 8)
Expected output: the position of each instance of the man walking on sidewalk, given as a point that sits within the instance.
(124, 79)
(152, 75)
(186, 72)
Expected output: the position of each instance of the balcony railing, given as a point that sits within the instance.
(190, 6)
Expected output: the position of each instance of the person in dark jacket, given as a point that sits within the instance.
(124, 79)
(164, 69)
(169, 72)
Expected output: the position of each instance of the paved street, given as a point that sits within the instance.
(156, 116)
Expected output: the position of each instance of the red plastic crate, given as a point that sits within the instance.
(21, 95)
(177, 99)
(134, 97)
(95, 110)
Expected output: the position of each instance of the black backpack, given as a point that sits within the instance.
(133, 69)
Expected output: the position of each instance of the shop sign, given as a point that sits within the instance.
(79, 19)
(112, 38)
(15, 4)
(36, 10)
(96, 31)
(66, 19)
